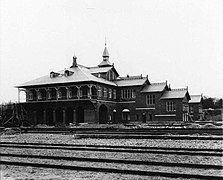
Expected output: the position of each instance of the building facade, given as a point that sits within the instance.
(81, 94)
(196, 107)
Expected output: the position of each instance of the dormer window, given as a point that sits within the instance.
(54, 74)
(68, 73)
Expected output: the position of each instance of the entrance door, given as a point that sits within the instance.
(144, 118)
(150, 117)
(80, 115)
(103, 114)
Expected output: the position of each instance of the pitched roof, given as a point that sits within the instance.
(131, 81)
(195, 99)
(80, 74)
(154, 87)
(175, 94)
(105, 63)
(99, 69)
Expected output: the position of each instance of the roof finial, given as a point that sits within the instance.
(105, 41)
(74, 61)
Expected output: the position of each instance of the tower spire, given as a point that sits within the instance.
(105, 56)
(105, 53)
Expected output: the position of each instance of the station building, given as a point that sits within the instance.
(99, 95)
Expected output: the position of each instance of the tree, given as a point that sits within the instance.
(213, 103)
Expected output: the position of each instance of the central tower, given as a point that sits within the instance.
(105, 56)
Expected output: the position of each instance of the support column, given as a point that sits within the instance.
(47, 93)
(54, 117)
(78, 92)
(27, 95)
(90, 92)
(44, 116)
(74, 117)
(64, 117)
(57, 93)
(18, 95)
(35, 117)
(37, 94)
(68, 90)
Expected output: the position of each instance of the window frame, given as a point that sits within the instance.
(170, 106)
(150, 99)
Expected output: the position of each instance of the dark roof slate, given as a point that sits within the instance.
(131, 82)
(154, 87)
(80, 74)
(195, 99)
(175, 94)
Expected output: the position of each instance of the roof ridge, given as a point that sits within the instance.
(159, 83)
(196, 95)
(179, 89)
(87, 75)
(132, 77)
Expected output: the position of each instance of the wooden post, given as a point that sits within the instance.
(64, 117)
(74, 117)
(54, 117)
(44, 116)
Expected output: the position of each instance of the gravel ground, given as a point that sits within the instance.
(32, 173)
(73, 139)
(15, 172)
(115, 155)
(118, 166)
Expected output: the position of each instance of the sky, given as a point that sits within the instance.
(180, 41)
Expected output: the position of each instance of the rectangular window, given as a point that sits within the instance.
(191, 109)
(114, 94)
(39, 95)
(30, 96)
(49, 95)
(134, 93)
(170, 106)
(99, 92)
(150, 99)
(128, 94)
(81, 92)
(110, 93)
(200, 110)
(105, 93)
(69, 94)
(185, 107)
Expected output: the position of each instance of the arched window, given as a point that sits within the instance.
(30, 96)
(125, 115)
(99, 91)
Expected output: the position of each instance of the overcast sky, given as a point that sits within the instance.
(180, 41)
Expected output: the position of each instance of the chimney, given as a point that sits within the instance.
(74, 61)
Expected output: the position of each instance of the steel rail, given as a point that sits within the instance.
(112, 146)
(112, 170)
(116, 150)
(135, 162)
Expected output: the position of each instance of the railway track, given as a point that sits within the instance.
(113, 146)
(152, 133)
(111, 170)
(112, 149)
(69, 162)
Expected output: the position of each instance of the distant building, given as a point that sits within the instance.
(196, 110)
(81, 94)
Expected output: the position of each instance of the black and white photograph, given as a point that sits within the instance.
(111, 89)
